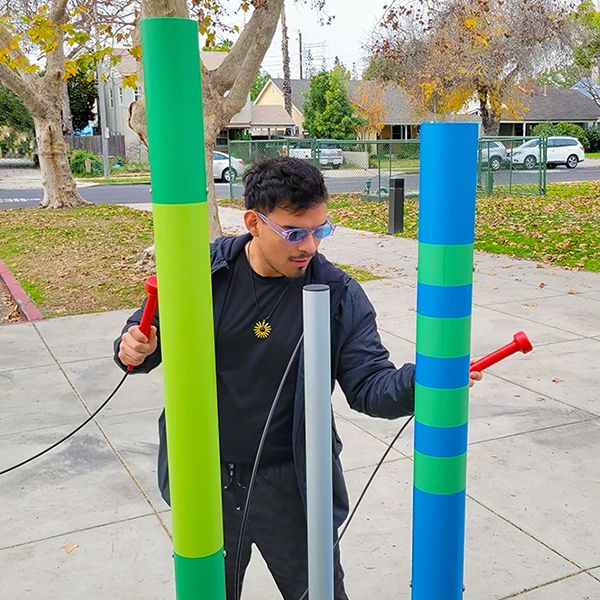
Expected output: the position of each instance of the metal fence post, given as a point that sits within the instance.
(396, 205)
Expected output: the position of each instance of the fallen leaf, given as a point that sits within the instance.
(557, 380)
(70, 547)
(573, 292)
(542, 285)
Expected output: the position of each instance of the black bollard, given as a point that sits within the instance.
(396, 205)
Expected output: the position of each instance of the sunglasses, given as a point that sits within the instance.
(295, 235)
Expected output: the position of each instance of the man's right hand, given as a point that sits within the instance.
(135, 346)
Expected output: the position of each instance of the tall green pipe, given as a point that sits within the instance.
(171, 59)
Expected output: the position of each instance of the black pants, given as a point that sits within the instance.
(276, 525)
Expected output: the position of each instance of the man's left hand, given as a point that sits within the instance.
(475, 376)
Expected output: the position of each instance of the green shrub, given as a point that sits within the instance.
(570, 129)
(78, 158)
(593, 135)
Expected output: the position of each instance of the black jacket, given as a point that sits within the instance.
(359, 362)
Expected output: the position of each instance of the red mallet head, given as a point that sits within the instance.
(520, 343)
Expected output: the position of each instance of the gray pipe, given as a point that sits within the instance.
(319, 485)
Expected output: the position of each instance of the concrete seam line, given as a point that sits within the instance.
(105, 436)
(543, 585)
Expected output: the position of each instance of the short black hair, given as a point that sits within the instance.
(283, 182)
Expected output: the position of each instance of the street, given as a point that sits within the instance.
(336, 183)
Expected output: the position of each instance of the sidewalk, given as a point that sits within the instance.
(87, 519)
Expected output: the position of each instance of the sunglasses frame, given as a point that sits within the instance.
(284, 234)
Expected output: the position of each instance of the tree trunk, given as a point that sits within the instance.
(490, 119)
(67, 117)
(285, 51)
(58, 183)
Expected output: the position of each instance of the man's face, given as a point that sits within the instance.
(277, 257)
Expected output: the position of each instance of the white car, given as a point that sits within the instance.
(561, 150)
(492, 154)
(223, 170)
(329, 155)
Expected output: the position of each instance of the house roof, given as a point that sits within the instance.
(270, 116)
(558, 104)
(394, 100)
(551, 104)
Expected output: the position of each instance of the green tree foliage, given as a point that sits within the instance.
(13, 113)
(570, 129)
(82, 95)
(327, 111)
(261, 79)
(222, 46)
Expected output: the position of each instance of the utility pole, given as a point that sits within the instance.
(104, 131)
(301, 52)
(285, 52)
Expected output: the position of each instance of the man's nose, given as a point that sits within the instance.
(308, 245)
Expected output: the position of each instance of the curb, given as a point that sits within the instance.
(25, 304)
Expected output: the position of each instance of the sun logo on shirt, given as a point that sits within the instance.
(262, 330)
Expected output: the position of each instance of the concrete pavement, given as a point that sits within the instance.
(87, 519)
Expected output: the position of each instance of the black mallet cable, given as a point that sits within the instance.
(238, 556)
(362, 495)
(3, 472)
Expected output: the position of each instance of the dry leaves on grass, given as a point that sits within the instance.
(77, 260)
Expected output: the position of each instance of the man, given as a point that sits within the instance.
(257, 282)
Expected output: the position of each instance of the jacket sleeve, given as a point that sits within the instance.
(369, 380)
(153, 360)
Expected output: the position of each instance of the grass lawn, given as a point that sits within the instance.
(592, 154)
(113, 179)
(561, 228)
(82, 260)
(77, 260)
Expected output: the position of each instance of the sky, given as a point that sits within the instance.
(352, 27)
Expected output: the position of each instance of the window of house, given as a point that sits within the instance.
(121, 95)
(138, 94)
(111, 98)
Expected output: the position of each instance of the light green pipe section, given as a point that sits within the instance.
(174, 113)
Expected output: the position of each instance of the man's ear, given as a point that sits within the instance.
(251, 220)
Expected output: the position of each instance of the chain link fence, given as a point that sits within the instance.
(363, 168)
(512, 165)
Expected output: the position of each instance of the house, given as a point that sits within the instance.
(399, 123)
(544, 105)
(119, 98)
(552, 105)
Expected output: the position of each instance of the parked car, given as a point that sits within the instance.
(223, 170)
(329, 155)
(492, 154)
(561, 150)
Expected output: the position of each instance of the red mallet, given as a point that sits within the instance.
(520, 343)
(149, 308)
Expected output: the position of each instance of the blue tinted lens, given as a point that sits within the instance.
(323, 231)
(295, 236)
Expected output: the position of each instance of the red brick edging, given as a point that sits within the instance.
(25, 304)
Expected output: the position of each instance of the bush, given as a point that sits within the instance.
(77, 163)
(593, 135)
(570, 129)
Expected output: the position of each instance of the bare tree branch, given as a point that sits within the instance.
(22, 89)
(225, 75)
(268, 16)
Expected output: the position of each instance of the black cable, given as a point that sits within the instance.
(362, 495)
(70, 434)
(238, 556)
